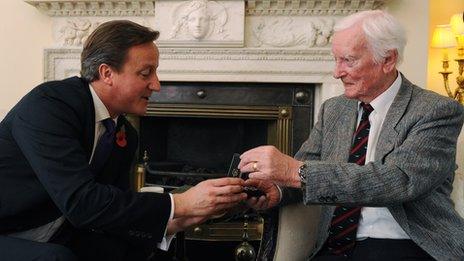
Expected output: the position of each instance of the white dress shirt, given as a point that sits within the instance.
(377, 222)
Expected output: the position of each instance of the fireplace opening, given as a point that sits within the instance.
(202, 147)
(190, 132)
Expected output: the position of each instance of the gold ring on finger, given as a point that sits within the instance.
(255, 166)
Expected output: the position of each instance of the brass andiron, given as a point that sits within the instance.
(140, 172)
(245, 251)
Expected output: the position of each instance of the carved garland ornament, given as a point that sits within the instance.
(94, 8)
(314, 33)
(253, 7)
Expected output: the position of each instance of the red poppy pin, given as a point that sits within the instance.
(121, 137)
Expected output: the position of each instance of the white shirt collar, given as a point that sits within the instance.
(101, 112)
(382, 103)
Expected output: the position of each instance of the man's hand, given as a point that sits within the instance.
(180, 224)
(268, 163)
(210, 197)
(269, 200)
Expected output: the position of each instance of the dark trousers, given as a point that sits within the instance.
(92, 246)
(380, 250)
(15, 249)
(80, 245)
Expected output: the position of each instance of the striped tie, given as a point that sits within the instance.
(342, 232)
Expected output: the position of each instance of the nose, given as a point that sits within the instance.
(338, 71)
(198, 22)
(154, 84)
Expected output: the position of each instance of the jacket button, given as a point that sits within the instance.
(321, 199)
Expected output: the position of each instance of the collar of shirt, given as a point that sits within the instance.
(101, 112)
(382, 103)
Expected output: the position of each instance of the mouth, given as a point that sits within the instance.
(347, 83)
(146, 97)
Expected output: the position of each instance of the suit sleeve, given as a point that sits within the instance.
(48, 132)
(423, 157)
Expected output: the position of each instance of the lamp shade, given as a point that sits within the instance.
(443, 37)
(457, 24)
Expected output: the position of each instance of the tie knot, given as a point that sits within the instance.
(109, 125)
(367, 108)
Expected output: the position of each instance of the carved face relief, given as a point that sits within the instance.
(198, 23)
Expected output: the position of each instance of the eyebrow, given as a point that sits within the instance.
(349, 57)
(148, 66)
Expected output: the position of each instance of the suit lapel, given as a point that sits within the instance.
(397, 109)
(347, 125)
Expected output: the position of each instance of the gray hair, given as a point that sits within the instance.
(383, 32)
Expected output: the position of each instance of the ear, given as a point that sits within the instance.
(106, 73)
(389, 63)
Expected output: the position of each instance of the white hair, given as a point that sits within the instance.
(382, 31)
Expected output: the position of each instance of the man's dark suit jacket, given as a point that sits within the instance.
(46, 142)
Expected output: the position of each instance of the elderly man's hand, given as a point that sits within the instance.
(268, 163)
(271, 194)
(210, 197)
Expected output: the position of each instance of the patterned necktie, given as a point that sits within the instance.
(342, 232)
(104, 146)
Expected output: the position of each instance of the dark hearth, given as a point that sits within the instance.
(191, 131)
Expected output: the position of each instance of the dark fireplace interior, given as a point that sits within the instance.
(198, 145)
(190, 133)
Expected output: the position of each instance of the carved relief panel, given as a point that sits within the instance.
(200, 23)
(289, 32)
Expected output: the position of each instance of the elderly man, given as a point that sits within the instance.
(65, 156)
(380, 159)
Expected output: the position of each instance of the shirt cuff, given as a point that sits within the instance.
(166, 241)
(280, 193)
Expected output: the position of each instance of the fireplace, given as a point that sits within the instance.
(192, 129)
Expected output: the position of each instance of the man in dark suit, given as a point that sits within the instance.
(65, 156)
(380, 159)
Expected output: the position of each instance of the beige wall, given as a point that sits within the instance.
(414, 65)
(25, 32)
(440, 13)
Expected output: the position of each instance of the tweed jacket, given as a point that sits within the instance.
(412, 174)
